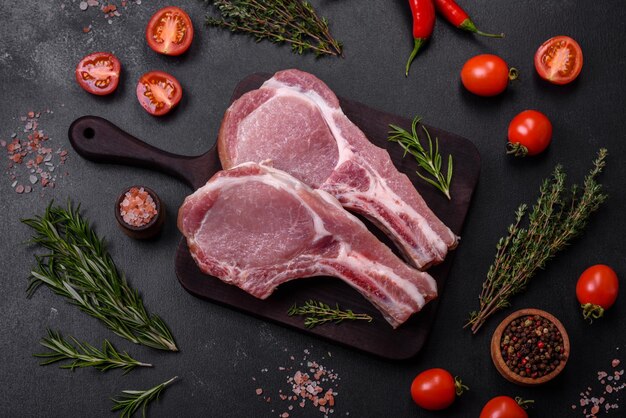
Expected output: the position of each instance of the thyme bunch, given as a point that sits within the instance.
(85, 355)
(131, 400)
(319, 313)
(78, 267)
(279, 21)
(557, 217)
(429, 160)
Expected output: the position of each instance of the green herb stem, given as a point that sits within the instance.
(291, 21)
(79, 268)
(429, 160)
(131, 400)
(318, 313)
(86, 355)
(558, 216)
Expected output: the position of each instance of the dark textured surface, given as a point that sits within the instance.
(221, 349)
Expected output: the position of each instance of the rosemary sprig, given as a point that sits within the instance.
(318, 313)
(131, 400)
(558, 216)
(78, 267)
(430, 161)
(292, 21)
(85, 355)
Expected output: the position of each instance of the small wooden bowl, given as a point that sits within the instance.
(149, 230)
(509, 374)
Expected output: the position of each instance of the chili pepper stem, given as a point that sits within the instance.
(591, 311)
(469, 26)
(418, 43)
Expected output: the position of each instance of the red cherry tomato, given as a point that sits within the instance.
(435, 389)
(559, 60)
(158, 92)
(487, 75)
(99, 73)
(169, 31)
(530, 132)
(597, 290)
(503, 407)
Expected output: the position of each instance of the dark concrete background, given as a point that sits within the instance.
(221, 349)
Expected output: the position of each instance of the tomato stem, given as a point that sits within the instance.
(516, 149)
(591, 311)
(513, 74)
(523, 403)
(459, 387)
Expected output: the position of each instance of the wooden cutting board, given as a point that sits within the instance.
(99, 140)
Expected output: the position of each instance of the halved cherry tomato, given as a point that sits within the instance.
(530, 133)
(597, 290)
(487, 75)
(435, 389)
(559, 60)
(504, 407)
(169, 31)
(99, 73)
(158, 92)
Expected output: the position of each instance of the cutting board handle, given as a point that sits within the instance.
(99, 140)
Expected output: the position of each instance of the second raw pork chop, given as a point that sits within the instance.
(294, 120)
(256, 227)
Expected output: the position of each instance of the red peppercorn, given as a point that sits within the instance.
(540, 344)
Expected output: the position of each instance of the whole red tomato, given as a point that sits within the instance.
(487, 75)
(530, 132)
(503, 407)
(597, 290)
(435, 389)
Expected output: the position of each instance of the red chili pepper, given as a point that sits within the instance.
(423, 12)
(454, 14)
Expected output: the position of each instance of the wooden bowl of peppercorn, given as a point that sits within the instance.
(530, 347)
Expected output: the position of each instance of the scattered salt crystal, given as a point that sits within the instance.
(83, 5)
(259, 391)
(14, 184)
(27, 189)
(92, 3)
(19, 189)
(33, 179)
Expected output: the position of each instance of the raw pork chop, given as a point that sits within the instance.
(257, 227)
(295, 121)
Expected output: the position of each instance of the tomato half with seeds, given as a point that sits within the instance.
(99, 73)
(170, 31)
(559, 60)
(597, 289)
(158, 92)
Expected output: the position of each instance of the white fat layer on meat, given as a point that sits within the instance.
(378, 187)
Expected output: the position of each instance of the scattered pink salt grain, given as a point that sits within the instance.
(615, 363)
(259, 391)
(137, 208)
(606, 396)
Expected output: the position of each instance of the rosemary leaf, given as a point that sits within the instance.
(279, 21)
(131, 400)
(78, 267)
(319, 313)
(429, 160)
(86, 355)
(558, 216)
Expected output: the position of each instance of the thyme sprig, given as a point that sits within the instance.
(78, 267)
(558, 216)
(429, 160)
(279, 21)
(318, 313)
(85, 355)
(131, 400)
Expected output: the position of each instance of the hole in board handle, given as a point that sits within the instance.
(89, 133)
